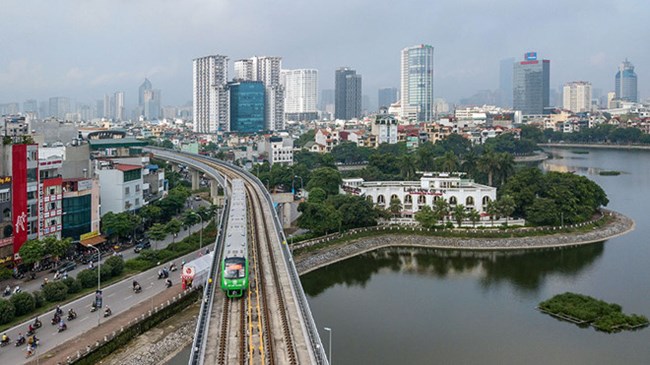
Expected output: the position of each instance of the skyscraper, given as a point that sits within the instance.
(417, 82)
(59, 106)
(387, 96)
(347, 94)
(119, 112)
(266, 69)
(244, 70)
(577, 96)
(146, 85)
(505, 82)
(247, 106)
(30, 106)
(210, 94)
(531, 84)
(300, 93)
(151, 104)
(626, 87)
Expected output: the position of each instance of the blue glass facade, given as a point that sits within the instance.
(247, 106)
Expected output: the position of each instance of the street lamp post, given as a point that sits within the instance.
(99, 282)
(200, 231)
(330, 345)
(301, 185)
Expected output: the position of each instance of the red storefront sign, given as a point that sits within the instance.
(19, 198)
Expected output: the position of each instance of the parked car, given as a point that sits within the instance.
(197, 198)
(67, 266)
(88, 258)
(142, 245)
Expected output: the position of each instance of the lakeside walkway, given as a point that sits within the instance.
(313, 260)
(597, 145)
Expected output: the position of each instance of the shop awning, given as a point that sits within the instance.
(92, 241)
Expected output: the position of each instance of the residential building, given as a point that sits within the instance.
(247, 109)
(59, 106)
(300, 94)
(244, 70)
(210, 94)
(347, 103)
(6, 225)
(118, 108)
(81, 214)
(417, 82)
(626, 82)
(278, 149)
(413, 195)
(151, 106)
(384, 128)
(577, 96)
(530, 88)
(121, 186)
(30, 106)
(387, 96)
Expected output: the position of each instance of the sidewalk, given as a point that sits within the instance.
(89, 339)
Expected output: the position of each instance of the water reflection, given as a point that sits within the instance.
(525, 270)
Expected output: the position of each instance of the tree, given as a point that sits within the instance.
(116, 263)
(459, 214)
(118, 225)
(505, 206)
(173, 227)
(355, 211)
(157, 232)
(488, 164)
(492, 210)
(395, 206)
(55, 247)
(167, 144)
(55, 291)
(325, 178)
(426, 154)
(87, 278)
(31, 252)
(425, 217)
(150, 213)
(23, 303)
(319, 218)
(317, 195)
(505, 166)
(474, 216)
(304, 138)
(449, 162)
(440, 209)
(542, 212)
(407, 165)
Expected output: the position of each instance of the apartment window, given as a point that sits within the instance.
(31, 195)
(127, 190)
(137, 188)
(52, 190)
(137, 202)
(51, 206)
(5, 196)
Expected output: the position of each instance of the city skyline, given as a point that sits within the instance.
(79, 67)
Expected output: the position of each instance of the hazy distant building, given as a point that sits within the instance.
(146, 85)
(151, 104)
(347, 94)
(119, 111)
(210, 94)
(107, 107)
(327, 101)
(577, 96)
(626, 86)
(387, 96)
(300, 94)
(59, 106)
(247, 109)
(417, 82)
(531, 84)
(30, 106)
(505, 82)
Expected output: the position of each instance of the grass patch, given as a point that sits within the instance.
(583, 309)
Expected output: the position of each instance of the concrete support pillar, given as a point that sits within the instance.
(286, 215)
(214, 191)
(196, 179)
(175, 167)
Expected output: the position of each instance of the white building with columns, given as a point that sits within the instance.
(415, 194)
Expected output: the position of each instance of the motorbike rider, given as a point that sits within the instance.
(62, 325)
(107, 311)
(7, 290)
(72, 313)
(168, 282)
(17, 289)
(21, 338)
(5, 338)
(59, 311)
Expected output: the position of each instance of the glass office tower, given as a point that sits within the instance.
(247, 106)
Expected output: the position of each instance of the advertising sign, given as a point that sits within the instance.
(98, 298)
(19, 199)
(530, 56)
(83, 185)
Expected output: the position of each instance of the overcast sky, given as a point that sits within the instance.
(86, 48)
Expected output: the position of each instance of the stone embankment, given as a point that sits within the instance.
(334, 252)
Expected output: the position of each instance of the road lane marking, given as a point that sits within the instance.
(83, 319)
(129, 297)
(110, 295)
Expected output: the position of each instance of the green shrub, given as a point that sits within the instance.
(148, 255)
(164, 255)
(74, 286)
(23, 303)
(55, 291)
(106, 272)
(5, 273)
(39, 299)
(117, 264)
(87, 278)
(139, 264)
(7, 311)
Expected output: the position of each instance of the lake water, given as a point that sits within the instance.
(398, 306)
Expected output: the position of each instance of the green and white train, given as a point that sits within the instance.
(234, 264)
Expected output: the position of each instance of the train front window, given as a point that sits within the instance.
(235, 268)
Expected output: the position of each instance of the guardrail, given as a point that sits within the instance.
(296, 287)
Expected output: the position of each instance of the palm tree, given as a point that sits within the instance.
(407, 166)
(474, 216)
(441, 209)
(492, 210)
(395, 206)
(488, 163)
(505, 166)
(469, 163)
(459, 214)
(449, 162)
(505, 206)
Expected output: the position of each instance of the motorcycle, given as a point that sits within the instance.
(72, 316)
(93, 308)
(37, 323)
(4, 343)
(63, 327)
(137, 289)
(173, 267)
(168, 283)
(56, 319)
(107, 313)
(20, 341)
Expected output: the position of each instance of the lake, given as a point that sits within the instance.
(418, 306)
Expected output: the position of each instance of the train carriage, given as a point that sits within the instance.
(234, 264)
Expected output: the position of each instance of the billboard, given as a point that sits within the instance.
(530, 56)
(19, 199)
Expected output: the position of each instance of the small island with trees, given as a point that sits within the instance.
(584, 310)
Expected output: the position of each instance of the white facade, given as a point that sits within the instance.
(384, 128)
(267, 70)
(244, 69)
(278, 149)
(577, 96)
(210, 96)
(417, 82)
(300, 90)
(119, 193)
(415, 194)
